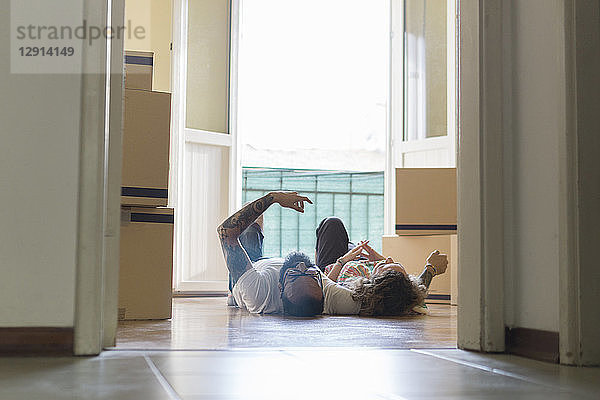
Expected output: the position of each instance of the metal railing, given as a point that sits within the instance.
(355, 197)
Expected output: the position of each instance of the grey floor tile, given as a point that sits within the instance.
(78, 378)
(343, 374)
(584, 382)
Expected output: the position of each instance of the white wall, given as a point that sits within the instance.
(39, 168)
(155, 16)
(536, 86)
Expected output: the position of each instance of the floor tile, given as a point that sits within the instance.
(78, 378)
(582, 381)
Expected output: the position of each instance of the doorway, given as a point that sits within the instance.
(208, 158)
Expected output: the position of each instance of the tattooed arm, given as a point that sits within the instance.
(436, 265)
(230, 230)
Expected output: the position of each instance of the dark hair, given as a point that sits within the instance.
(291, 260)
(389, 294)
(307, 306)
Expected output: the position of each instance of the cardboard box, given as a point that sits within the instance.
(139, 67)
(146, 263)
(146, 138)
(412, 253)
(425, 201)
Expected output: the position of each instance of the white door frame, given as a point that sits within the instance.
(482, 124)
(396, 147)
(395, 112)
(92, 206)
(401, 147)
(112, 220)
(579, 279)
(180, 134)
(479, 176)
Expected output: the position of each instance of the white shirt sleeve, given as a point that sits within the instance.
(257, 290)
(338, 299)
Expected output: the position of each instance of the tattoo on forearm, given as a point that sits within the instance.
(233, 226)
(229, 231)
(426, 278)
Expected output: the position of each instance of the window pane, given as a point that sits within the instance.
(360, 218)
(341, 208)
(272, 232)
(426, 69)
(207, 91)
(324, 205)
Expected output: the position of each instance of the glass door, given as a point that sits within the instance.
(426, 137)
(203, 183)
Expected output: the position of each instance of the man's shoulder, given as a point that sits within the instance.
(271, 262)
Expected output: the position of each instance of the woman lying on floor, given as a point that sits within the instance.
(295, 286)
(382, 285)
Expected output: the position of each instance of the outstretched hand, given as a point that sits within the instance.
(439, 262)
(291, 200)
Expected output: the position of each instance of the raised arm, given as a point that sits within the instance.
(353, 254)
(230, 230)
(436, 265)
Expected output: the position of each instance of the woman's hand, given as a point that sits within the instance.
(353, 254)
(371, 254)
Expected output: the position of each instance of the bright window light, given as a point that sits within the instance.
(313, 84)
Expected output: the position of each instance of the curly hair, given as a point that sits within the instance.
(389, 294)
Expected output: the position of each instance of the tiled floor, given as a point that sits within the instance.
(293, 374)
(207, 323)
(213, 352)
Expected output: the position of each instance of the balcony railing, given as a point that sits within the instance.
(355, 197)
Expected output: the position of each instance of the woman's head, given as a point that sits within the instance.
(388, 294)
(387, 265)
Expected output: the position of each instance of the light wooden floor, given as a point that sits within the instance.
(207, 323)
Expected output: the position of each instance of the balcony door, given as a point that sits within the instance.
(424, 83)
(204, 173)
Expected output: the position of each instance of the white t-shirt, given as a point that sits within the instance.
(257, 290)
(338, 299)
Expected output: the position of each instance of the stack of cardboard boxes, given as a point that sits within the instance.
(146, 264)
(426, 221)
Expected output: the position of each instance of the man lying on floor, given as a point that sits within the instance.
(296, 287)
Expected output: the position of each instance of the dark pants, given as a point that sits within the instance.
(252, 241)
(332, 241)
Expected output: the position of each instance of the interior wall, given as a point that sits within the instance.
(155, 16)
(39, 173)
(536, 87)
